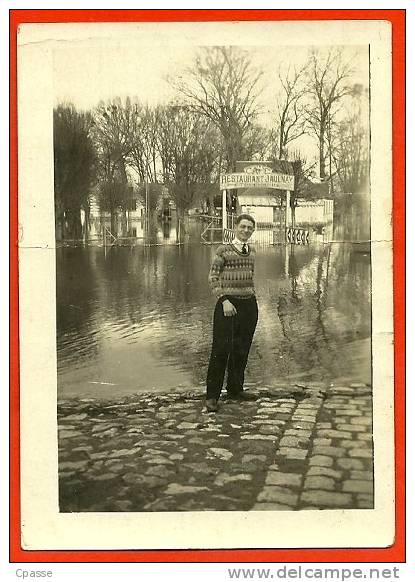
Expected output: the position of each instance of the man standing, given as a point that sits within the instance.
(231, 278)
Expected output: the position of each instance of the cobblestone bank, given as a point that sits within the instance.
(301, 447)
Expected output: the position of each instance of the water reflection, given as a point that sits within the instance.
(139, 318)
(132, 231)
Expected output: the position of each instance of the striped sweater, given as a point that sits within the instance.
(232, 273)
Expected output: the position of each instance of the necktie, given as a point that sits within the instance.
(244, 249)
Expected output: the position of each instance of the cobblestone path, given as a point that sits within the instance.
(298, 447)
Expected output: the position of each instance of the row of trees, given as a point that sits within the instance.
(215, 121)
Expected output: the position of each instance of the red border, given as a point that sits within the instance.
(395, 553)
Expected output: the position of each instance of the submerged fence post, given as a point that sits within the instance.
(224, 213)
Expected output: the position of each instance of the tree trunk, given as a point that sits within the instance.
(293, 199)
(152, 228)
(321, 155)
(87, 223)
(154, 167)
(113, 222)
(281, 146)
(124, 223)
(73, 217)
(181, 228)
(59, 225)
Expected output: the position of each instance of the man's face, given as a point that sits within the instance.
(244, 230)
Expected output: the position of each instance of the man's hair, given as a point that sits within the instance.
(245, 217)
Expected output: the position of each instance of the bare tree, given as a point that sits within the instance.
(351, 145)
(112, 127)
(257, 142)
(112, 133)
(74, 166)
(303, 170)
(223, 85)
(188, 148)
(351, 161)
(290, 108)
(328, 78)
(142, 139)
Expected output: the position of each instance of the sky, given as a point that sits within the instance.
(85, 75)
(93, 64)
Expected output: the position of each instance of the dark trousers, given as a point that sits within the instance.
(232, 338)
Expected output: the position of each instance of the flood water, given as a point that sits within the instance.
(135, 319)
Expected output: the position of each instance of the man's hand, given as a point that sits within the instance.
(228, 308)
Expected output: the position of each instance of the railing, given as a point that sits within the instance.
(297, 236)
(268, 233)
(105, 231)
(269, 225)
(214, 225)
(228, 235)
(212, 233)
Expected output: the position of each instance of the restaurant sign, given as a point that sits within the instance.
(257, 176)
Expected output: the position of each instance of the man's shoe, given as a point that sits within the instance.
(242, 397)
(211, 405)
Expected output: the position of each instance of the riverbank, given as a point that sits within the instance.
(295, 447)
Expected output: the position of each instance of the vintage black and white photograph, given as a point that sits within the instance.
(213, 257)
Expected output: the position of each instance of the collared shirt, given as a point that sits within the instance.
(239, 244)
